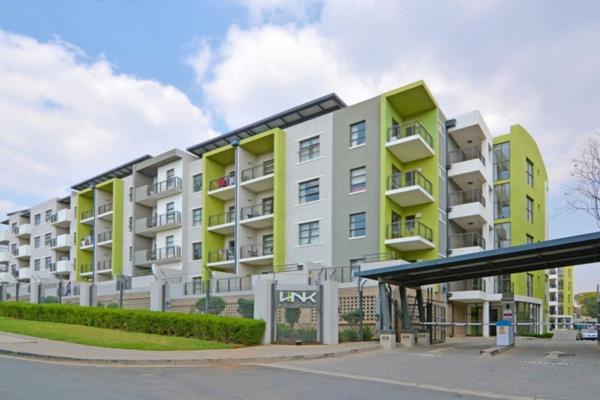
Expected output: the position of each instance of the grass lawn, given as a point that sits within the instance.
(105, 337)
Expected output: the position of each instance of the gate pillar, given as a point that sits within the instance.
(329, 310)
(263, 307)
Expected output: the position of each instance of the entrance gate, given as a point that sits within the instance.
(297, 313)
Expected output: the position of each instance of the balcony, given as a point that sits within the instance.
(105, 239)
(61, 219)
(157, 223)
(409, 189)
(104, 267)
(24, 252)
(87, 217)
(61, 242)
(409, 236)
(158, 256)
(24, 231)
(258, 216)
(87, 242)
(4, 237)
(6, 277)
(409, 142)
(222, 223)
(466, 243)
(105, 211)
(257, 254)
(221, 259)
(467, 209)
(222, 188)
(259, 178)
(4, 256)
(64, 266)
(149, 194)
(86, 270)
(24, 274)
(467, 167)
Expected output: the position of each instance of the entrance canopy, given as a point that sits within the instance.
(556, 253)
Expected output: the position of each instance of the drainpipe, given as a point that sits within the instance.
(236, 226)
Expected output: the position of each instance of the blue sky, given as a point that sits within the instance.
(136, 77)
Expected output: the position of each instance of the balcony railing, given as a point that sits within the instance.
(87, 241)
(87, 214)
(163, 186)
(266, 168)
(221, 255)
(165, 253)
(222, 182)
(409, 228)
(256, 250)
(397, 132)
(105, 237)
(220, 219)
(104, 265)
(460, 155)
(410, 178)
(105, 208)
(86, 268)
(467, 196)
(51, 267)
(257, 210)
(173, 217)
(469, 239)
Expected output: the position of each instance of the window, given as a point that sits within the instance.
(130, 253)
(47, 239)
(309, 191)
(502, 201)
(14, 228)
(196, 217)
(170, 207)
(267, 205)
(529, 285)
(529, 239)
(37, 219)
(502, 161)
(529, 206)
(267, 245)
(358, 225)
(47, 215)
(47, 262)
(170, 174)
(130, 224)
(358, 179)
(36, 242)
(36, 264)
(358, 134)
(197, 251)
(169, 242)
(309, 149)
(502, 235)
(529, 172)
(197, 182)
(309, 233)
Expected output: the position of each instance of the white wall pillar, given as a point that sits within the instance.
(263, 306)
(87, 295)
(330, 304)
(486, 319)
(157, 296)
(34, 292)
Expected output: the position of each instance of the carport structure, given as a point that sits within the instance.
(556, 253)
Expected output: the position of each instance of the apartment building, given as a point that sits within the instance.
(560, 298)
(391, 177)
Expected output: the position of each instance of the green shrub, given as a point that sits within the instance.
(349, 335)
(546, 335)
(49, 300)
(246, 307)
(215, 305)
(292, 315)
(304, 334)
(206, 327)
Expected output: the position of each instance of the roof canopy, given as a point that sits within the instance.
(118, 172)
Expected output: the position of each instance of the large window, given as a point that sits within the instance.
(197, 183)
(529, 209)
(358, 225)
(358, 134)
(309, 148)
(502, 201)
(38, 219)
(308, 233)
(308, 191)
(197, 251)
(530, 285)
(502, 161)
(267, 244)
(47, 215)
(502, 235)
(358, 179)
(36, 265)
(36, 242)
(529, 172)
(196, 217)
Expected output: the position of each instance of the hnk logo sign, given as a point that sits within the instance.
(298, 298)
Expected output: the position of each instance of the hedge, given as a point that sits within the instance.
(206, 327)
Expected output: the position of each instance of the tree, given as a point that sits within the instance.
(588, 304)
(292, 316)
(215, 305)
(585, 195)
(246, 307)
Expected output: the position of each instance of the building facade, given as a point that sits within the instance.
(320, 185)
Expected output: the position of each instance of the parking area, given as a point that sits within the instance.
(532, 369)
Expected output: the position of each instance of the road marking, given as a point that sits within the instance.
(463, 392)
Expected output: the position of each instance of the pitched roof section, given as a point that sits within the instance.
(284, 119)
(118, 172)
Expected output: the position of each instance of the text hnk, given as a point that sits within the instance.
(303, 297)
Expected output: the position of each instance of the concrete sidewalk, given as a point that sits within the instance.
(53, 351)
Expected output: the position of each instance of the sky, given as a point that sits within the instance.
(87, 85)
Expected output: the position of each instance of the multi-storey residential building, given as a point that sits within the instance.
(560, 298)
(322, 183)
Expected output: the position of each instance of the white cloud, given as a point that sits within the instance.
(200, 60)
(65, 117)
(278, 10)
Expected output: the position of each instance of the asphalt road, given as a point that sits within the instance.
(24, 380)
